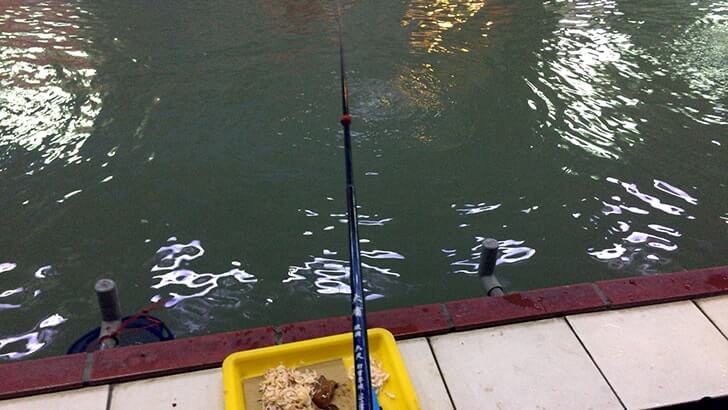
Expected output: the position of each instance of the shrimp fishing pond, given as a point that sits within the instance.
(192, 152)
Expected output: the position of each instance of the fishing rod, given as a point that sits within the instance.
(362, 370)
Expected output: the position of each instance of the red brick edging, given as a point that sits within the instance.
(194, 353)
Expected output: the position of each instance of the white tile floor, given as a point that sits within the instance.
(652, 355)
(90, 398)
(532, 365)
(717, 309)
(657, 355)
(188, 391)
(424, 374)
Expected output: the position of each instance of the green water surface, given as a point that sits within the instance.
(191, 151)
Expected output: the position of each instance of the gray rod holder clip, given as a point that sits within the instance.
(486, 270)
(108, 297)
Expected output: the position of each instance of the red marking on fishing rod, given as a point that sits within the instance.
(345, 119)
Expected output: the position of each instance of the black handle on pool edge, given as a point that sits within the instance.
(108, 298)
(486, 270)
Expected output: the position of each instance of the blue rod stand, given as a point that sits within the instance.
(486, 270)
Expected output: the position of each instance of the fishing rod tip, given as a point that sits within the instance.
(345, 119)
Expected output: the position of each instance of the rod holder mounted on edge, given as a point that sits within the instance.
(108, 297)
(486, 270)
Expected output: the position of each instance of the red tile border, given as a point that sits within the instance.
(414, 321)
(41, 375)
(310, 329)
(156, 359)
(136, 362)
(531, 305)
(661, 288)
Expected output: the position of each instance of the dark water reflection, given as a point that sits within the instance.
(191, 152)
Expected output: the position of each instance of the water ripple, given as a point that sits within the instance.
(193, 281)
(185, 283)
(430, 22)
(326, 275)
(332, 276)
(47, 93)
(172, 256)
(470, 209)
(653, 201)
(675, 191)
(699, 56)
(626, 245)
(23, 345)
(7, 266)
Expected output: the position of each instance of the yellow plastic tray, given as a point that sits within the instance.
(382, 347)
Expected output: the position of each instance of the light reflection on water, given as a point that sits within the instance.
(576, 66)
(191, 283)
(701, 58)
(46, 82)
(20, 346)
(42, 333)
(641, 246)
(430, 22)
(596, 126)
(7, 266)
(331, 276)
(653, 201)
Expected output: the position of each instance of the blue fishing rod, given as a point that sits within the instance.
(365, 398)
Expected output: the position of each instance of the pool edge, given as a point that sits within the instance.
(18, 379)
